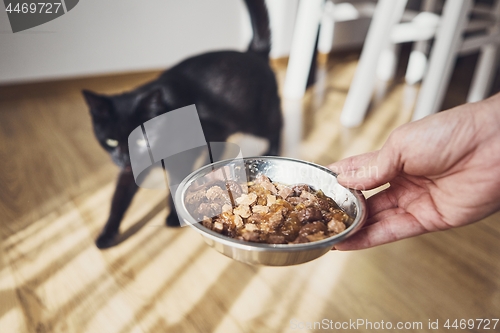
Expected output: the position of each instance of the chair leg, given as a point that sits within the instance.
(487, 65)
(448, 40)
(417, 64)
(326, 30)
(388, 62)
(484, 74)
(303, 48)
(361, 89)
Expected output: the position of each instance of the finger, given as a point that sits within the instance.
(390, 229)
(381, 201)
(384, 214)
(351, 163)
(368, 171)
(374, 219)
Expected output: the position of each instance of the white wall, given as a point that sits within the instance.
(110, 36)
(106, 36)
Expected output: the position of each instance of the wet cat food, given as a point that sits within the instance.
(269, 212)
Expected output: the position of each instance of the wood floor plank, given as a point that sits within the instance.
(11, 310)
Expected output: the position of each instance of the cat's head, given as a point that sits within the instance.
(114, 117)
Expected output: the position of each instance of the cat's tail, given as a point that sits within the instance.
(259, 17)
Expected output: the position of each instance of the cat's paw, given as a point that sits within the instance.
(173, 221)
(106, 240)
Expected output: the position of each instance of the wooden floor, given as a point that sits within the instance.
(56, 184)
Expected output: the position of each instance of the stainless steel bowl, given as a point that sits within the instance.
(286, 171)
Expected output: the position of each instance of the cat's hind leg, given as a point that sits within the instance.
(274, 145)
(274, 129)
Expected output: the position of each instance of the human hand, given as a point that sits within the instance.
(443, 171)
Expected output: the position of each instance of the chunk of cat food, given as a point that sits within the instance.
(246, 199)
(207, 222)
(312, 228)
(270, 200)
(275, 219)
(336, 226)
(285, 192)
(308, 196)
(250, 227)
(325, 204)
(272, 213)
(299, 188)
(216, 193)
(238, 221)
(234, 188)
(296, 200)
(316, 237)
(218, 227)
(259, 209)
(194, 198)
(265, 183)
(227, 208)
(205, 209)
(309, 214)
(256, 219)
(243, 211)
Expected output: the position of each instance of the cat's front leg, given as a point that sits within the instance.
(124, 192)
(172, 218)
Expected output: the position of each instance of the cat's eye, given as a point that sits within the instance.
(112, 143)
(141, 143)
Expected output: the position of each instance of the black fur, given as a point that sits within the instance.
(233, 92)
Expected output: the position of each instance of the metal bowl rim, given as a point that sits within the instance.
(264, 247)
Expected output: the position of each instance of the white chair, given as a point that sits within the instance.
(451, 43)
(488, 60)
(311, 14)
(385, 32)
(334, 13)
(417, 63)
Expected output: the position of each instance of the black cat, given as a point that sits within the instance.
(233, 92)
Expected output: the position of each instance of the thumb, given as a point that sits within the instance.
(367, 171)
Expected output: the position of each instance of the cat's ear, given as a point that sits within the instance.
(99, 105)
(152, 102)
